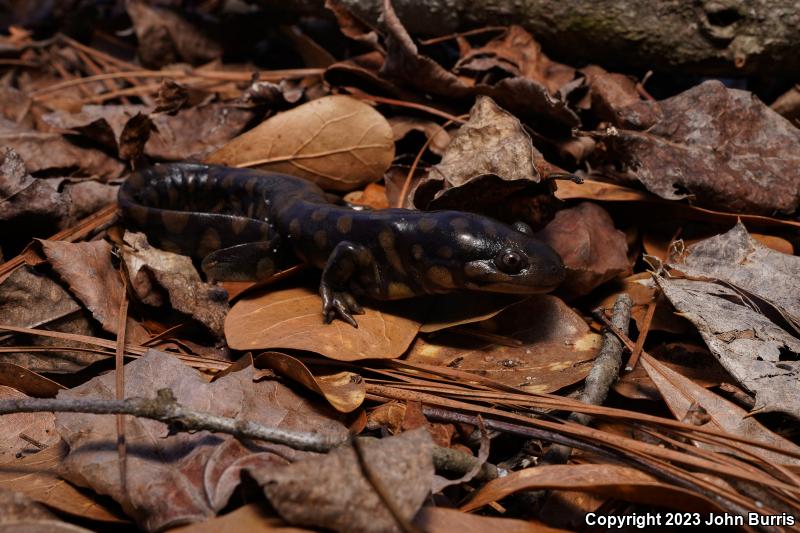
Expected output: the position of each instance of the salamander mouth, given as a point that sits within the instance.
(483, 276)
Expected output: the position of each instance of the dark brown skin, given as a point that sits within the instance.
(244, 224)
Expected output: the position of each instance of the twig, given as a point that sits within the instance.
(119, 364)
(603, 374)
(410, 105)
(165, 408)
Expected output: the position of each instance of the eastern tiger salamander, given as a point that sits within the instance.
(242, 223)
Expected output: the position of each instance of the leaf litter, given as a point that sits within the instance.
(688, 206)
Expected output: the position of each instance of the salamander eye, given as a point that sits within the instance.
(510, 261)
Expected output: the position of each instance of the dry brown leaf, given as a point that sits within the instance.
(38, 477)
(593, 250)
(292, 319)
(682, 395)
(722, 146)
(31, 299)
(736, 258)
(165, 37)
(27, 381)
(611, 480)
(516, 53)
(554, 351)
(332, 492)
(373, 196)
(444, 520)
(758, 353)
(189, 132)
(51, 152)
(345, 391)
(154, 272)
(19, 513)
(489, 166)
(610, 93)
(36, 427)
(338, 142)
(86, 267)
(186, 477)
(389, 416)
(690, 360)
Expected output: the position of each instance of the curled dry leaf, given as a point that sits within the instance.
(27, 381)
(525, 97)
(614, 481)
(736, 258)
(682, 394)
(351, 25)
(22, 195)
(593, 250)
(788, 104)
(610, 94)
(757, 352)
(186, 477)
(722, 146)
(345, 391)
(86, 267)
(338, 142)
(516, 53)
(31, 299)
(38, 477)
(51, 152)
(38, 427)
(541, 355)
(332, 492)
(151, 269)
(292, 319)
(18, 512)
(165, 37)
(46, 202)
(489, 164)
(189, 132)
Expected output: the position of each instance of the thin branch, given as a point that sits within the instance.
(165, 408)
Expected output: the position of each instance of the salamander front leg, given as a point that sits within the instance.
(346, 260)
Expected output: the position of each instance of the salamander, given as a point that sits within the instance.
(243, 224)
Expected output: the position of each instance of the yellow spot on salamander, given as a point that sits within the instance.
(399, 290)
(427, 224)
(320, 238)
(239, 224)
(386, 240)
(344, 224)
(459, 224)
(417, 252)
(440, 276)
(319, 214)
(209, 242)
(175, 222)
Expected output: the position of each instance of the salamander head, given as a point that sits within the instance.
(500, 258)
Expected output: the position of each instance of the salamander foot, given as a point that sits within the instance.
(339, 304)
